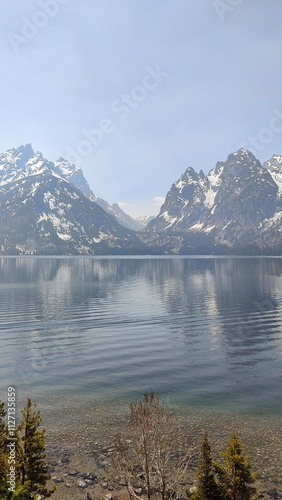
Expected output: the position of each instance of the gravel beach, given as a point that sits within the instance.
(80, 438)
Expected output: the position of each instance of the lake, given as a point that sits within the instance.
(202, 332)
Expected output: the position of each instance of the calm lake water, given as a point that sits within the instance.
(204, 332)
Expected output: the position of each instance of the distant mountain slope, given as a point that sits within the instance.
(144, 220)
(120, 215)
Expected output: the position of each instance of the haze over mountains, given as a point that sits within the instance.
(49, 208)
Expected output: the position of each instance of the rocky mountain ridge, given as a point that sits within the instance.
(16, 164)
(49, 208)
(238, 203)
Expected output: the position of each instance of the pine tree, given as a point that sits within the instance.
(33, 468)
(207, 488)
(235, 477)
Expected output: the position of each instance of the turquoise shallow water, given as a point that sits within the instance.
(202, 332)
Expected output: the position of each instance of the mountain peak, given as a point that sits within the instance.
(25, 151)
(26, 147)
(275, 159)
(242, 154)
(189, 175)
(240, 163)
(16, 158)
(63, 160)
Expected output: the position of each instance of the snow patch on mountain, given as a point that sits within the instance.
(274, 167)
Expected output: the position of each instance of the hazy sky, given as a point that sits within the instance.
(138, 90)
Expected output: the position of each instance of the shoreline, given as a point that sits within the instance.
(80, 435)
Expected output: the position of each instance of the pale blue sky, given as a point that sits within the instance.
(67, 65)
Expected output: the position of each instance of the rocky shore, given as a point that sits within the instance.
(81, 441)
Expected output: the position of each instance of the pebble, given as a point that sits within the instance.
(82, 484)
(89, 482)
(73, 473)
(103, 463)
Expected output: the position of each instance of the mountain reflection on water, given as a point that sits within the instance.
(201, 331)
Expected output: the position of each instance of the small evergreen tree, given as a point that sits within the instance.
(33, 468)
(207, 488)
(235, 477)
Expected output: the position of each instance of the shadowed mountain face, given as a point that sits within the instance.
(237, 204)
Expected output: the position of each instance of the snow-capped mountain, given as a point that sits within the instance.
(49, 208)
(237, 204)
(15, 164)
(23, 162)
(42, 212)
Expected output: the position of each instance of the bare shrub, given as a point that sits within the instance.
(151, 459)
